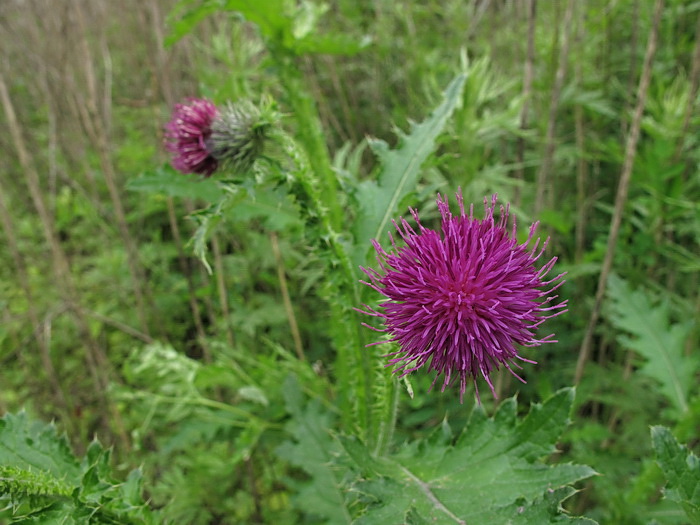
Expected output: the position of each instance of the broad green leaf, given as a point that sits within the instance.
(271, 206)
(493, 473)
(656, 339)
(185, 15)
(270, 16)
(167, 181)
(379, 200)
(313, 450)
(682, 470)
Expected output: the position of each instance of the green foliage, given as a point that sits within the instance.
(494, 471)
(43, 481)
(660, 343)
(682, 470)
(212, 425)
(231, 419)
(382, 199)
(290, 25)
(491, 473)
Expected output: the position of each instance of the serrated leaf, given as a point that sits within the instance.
(40, 463)
(493, 471)
(379, 200)
(682, 470)
(34, 445)
(546, 509)
(313, 449)
(656, 339)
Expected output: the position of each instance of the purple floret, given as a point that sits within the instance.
(186, 136)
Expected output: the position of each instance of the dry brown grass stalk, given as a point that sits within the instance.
(622, 191)
(544, 189)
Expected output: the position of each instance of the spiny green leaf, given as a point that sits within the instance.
(19, 483)
(493, 473)
(656, 339)
(31, 445)
(546, 509)
(379, 200)
(40, 472)
(682, 470)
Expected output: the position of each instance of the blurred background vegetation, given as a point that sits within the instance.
(104, 308)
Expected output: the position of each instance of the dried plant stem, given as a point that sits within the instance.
(581, 165)
(162, 68)
(95, 123)
(544, 190)
(342, 97)
(528, 74)
(221, 288)
(622, 191)
(633, 65)
(689, 112)
(98, 364)
(164, 85)
(284, 290)
(191, 289)
(692, 97)
(44, 351)
(326, 113)
(122, 327)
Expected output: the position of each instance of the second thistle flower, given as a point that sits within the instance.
(460, 300)
(204, 139)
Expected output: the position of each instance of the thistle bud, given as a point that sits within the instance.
(204, 139)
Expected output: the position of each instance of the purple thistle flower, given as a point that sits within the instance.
(187, 134)
(460, 300)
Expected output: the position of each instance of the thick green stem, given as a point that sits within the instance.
(388, 425)
(353, 366)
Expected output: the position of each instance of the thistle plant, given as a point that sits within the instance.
(459, 302)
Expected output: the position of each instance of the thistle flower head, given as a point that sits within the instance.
(204, 139)
(186, 136)
(460, 300)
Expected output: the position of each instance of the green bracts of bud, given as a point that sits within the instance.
(237, 136)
